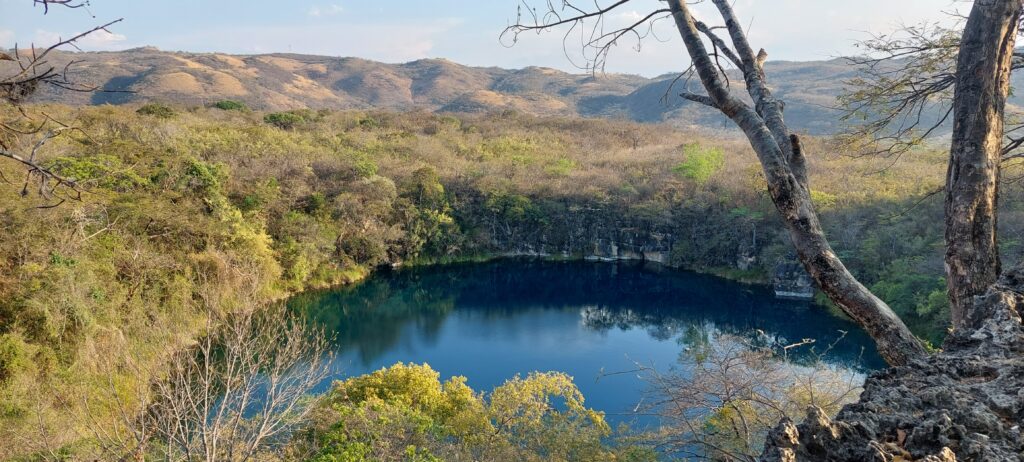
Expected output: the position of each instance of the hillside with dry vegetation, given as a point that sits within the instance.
(188, 211)
(293, 81)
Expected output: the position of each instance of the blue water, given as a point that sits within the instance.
(592, 320)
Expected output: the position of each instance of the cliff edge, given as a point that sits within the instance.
(964, 404)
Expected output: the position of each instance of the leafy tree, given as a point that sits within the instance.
(405, 413)
(158, 110)
(424, 188)
(700, 163)
(284, 120)
(231, 105)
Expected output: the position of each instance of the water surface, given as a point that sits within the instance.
(491, 321)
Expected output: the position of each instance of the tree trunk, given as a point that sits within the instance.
(783, 163)
(972, 181)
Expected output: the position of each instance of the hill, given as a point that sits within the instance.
(289, 81)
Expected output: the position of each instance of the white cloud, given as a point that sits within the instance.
(630, 16)
(102, 40)
(45, 38)
(330, 10)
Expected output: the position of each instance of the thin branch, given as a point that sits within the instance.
(702, 99)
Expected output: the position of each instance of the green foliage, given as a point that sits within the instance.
(204, 180)
(406, 413)
(365, 250)
(426, 215)
(250, 203)
(57, 259)
(316, 203)
(290, 119)
(231, 105)
(561, 167)
(103, 170)
(823, 200)
(158, 110)
(511, 207)
(700, 163)
(915, 296)
(424, 188)
(365, 167)
(368, 123)
(14, 356)
(512, 149)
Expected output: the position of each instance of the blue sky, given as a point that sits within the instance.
(465, 31)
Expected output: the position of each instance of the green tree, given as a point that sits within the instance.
(700, 163)
(405, 413)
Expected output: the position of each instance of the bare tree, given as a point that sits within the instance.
(733, 392)
(233, 396)
(777, 148)
(903, 93)
(23, 135)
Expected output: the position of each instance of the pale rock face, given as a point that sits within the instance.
(791, 281)
(964, 404)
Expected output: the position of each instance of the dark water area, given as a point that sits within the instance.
(491, 321)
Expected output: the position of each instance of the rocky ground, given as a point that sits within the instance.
(965, 404)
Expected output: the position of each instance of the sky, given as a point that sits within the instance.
(464, 31)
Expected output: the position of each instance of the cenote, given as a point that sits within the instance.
(491, 321)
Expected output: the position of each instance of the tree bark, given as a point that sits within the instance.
(782, 161)
(972, 180)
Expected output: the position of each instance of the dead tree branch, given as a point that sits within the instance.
(32, 70)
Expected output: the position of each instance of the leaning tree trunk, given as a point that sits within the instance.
(972, 181)
(783, 163)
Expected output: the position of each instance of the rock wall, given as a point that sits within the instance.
(591, 234)
(964, 404)
(790, 280)
(655, 248)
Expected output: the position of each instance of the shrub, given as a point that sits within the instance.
(105, 171)
(561, 167)
(511, 207)
(824, 200)
(316, 203)
(158, 110)
(203, 178)
(231, 105)
(364, 250)
(700, 163)
(13, 356)
(736, 391)
(285, 120)
(368, 123)
(250, 203)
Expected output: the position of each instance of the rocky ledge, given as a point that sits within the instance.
(964, 404)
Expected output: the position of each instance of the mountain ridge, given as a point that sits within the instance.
(281, 81)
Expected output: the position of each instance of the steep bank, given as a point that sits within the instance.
(965, 403)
